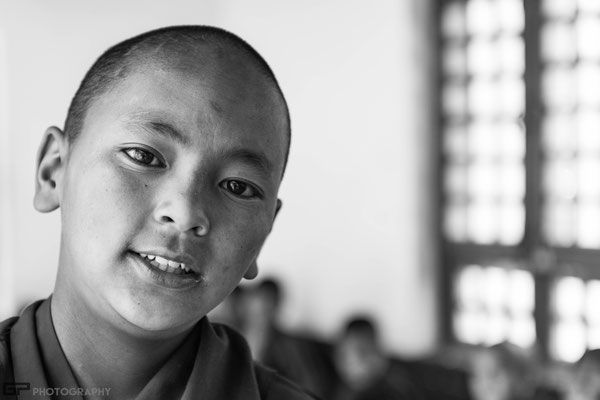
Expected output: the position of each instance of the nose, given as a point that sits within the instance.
(183, 210)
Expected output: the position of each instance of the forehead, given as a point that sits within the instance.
(216, 98)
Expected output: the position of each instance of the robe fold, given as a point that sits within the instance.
(33, 365)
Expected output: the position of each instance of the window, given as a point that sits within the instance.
(520, 145)
(484, 141)
(494, 304)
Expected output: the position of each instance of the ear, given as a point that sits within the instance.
(252, 272)
(51, 160)
(277, 208)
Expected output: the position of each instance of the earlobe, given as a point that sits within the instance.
(51, 158)
(252, 272)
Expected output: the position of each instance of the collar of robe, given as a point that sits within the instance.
(222, 369)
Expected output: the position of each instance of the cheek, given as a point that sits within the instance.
(245, 234)
(237, 240)
(102, 204)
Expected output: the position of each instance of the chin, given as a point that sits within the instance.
(154, 316)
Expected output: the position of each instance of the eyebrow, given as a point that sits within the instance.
(257, 160)
(156, 127)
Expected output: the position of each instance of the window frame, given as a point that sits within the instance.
(545, 262)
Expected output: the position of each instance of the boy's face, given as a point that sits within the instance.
(176, 163)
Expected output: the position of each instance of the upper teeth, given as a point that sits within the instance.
(163, 263)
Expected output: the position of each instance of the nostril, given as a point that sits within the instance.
(181, 217)
(202, 230)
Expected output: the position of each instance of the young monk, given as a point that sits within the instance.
(166, 175)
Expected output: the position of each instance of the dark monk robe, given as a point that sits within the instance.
(222, 369)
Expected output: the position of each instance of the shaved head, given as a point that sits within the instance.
(193, 48)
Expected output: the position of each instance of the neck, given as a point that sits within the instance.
(101, 355)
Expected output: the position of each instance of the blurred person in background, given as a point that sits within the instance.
(228, 312)
(501, 372)
(301, 358)
(585, 384)
(364, 370)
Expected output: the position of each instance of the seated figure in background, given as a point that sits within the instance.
(585, 384)
(364, 370)
(501, 372)
(301, 358)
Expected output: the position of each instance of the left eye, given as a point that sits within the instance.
(143, 157)
(240, 188)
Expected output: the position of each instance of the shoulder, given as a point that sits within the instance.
(5, 327)
(24, 322)
(275, 387)
(5, 359)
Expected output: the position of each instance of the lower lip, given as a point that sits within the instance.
(161, 278)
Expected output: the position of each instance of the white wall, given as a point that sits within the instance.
(6, 207)
(355, 232)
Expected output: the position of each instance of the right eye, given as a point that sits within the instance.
(143, 157)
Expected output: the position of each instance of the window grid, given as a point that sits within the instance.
(550, 172)
(575, 325)
(494, 304)
(483, 102)
(571, 117)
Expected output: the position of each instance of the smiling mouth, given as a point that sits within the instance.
(168, 266)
